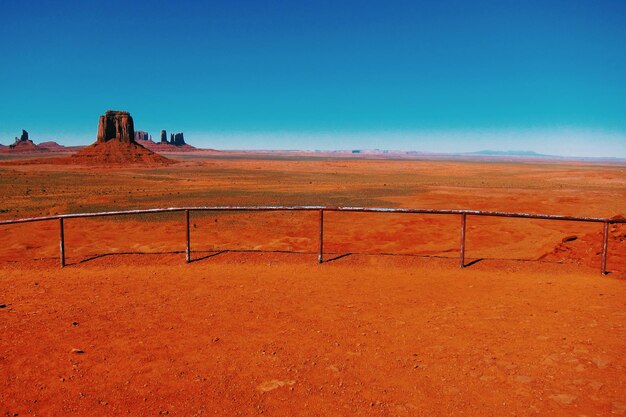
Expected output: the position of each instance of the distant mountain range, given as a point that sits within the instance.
(28, 146)
(486, 154)
(531, 154)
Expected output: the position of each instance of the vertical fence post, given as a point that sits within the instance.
(605, 246)
(320, 257)
(188, 249)
(62, 242)
(462, 248)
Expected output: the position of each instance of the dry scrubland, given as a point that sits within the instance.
(530, 329)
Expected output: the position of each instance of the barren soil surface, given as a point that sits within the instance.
(387, 326)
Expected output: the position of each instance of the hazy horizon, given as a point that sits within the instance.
(449, 76)
(546, 142)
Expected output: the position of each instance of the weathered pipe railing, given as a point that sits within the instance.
(321, 209)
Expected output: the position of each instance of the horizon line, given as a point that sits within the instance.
(564, 141)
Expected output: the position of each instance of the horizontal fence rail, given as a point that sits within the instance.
(321, 209)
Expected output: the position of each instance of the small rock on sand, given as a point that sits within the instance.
(601, 362)
(77, 351)
(619, 408)
(565, 399)
(595, 385)
(273, 384)
(523, 379)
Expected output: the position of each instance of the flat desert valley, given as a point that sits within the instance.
(388, 325)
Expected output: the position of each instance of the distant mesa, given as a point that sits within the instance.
(526, 154)
(53, 146)
(24, 144)
(176, 143)
(141, 135)
(58, 148)
(115, 143)
(177, 139)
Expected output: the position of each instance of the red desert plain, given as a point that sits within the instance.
(388, 325)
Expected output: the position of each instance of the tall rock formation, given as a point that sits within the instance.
(116, 125)
(177, 139)
(176, 143)
(116, 144)
(24, 144)
(22, 138)
(141, 135)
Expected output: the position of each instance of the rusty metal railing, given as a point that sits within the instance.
(464, 214)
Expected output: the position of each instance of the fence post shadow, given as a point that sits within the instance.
(211, 255)
(336, 258)
(475, 261)
(105, 255)
(463, 212)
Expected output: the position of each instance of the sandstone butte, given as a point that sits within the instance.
(176, 144)
(115, 144)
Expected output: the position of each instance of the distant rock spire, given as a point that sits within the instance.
(178, 139)
(141, 135)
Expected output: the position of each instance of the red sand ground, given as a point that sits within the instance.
(255, 331)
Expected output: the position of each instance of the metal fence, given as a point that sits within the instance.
(463, 214)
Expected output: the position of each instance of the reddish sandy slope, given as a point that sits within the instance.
(389, 326)
(244, 334)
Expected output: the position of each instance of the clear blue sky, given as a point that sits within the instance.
(433, 76)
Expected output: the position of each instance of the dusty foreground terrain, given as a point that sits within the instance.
(387, 326)
(244, 334)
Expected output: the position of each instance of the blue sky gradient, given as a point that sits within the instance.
(321, 75)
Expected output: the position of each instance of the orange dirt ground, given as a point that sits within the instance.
(388, 326)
